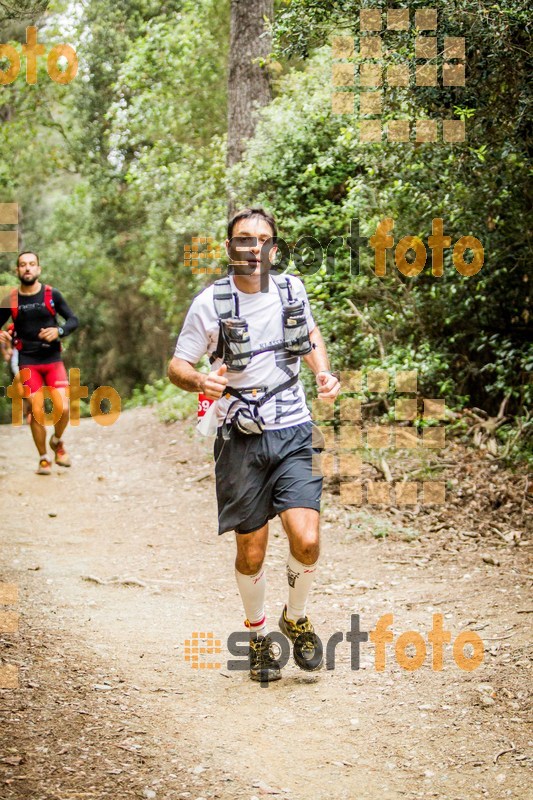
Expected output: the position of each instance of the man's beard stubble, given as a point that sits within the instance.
(29, 280)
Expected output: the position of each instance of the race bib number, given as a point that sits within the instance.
(203, 405)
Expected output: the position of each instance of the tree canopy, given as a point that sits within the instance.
(116, 172)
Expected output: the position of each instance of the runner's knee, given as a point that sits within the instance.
(250, 556)
(305, 547)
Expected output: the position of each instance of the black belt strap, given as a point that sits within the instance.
(268, 396)
(256, 404)
(269, 348)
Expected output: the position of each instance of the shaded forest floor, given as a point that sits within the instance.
(118, 563)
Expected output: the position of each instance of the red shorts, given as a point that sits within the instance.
(53, 375)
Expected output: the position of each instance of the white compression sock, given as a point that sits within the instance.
(300, 577)
(253, 589)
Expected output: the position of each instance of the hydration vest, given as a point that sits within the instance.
(14, 303)
(235, 349)
(234, 346)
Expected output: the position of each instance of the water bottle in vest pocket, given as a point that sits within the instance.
(295, 328)
(237, 350)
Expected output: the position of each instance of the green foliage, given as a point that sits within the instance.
(468, 337)
(172, 404)
(12, 14)
(516, 441)
(118, 170)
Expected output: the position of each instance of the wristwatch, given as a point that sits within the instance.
(61, 332)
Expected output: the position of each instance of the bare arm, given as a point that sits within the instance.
(183, 374)
(317, 360)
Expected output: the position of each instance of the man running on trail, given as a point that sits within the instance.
(263, 448)
(36, 336)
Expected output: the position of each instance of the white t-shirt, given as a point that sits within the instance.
(263, 313)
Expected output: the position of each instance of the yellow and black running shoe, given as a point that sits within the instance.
(263, 664)
(307, 647)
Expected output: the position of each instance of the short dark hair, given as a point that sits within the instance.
(253, 211)
(25, 252)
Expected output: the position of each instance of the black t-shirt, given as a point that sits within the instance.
(34, 315)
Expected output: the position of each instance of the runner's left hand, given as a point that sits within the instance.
(328, 386)
(49, 334)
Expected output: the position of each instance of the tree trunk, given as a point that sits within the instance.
(248, 82)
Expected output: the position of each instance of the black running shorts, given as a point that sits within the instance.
(257, 476)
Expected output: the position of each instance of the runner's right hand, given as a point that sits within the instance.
(5, 337)
(215, 383)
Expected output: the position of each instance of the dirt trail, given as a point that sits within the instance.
(118, 563)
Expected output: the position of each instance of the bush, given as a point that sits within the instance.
(172, 404)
